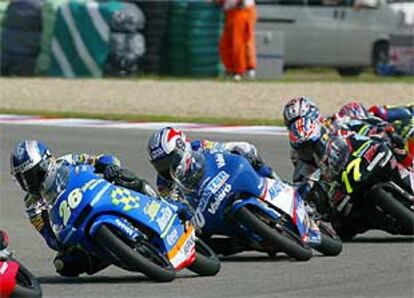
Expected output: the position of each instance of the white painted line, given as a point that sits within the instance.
(96, 123)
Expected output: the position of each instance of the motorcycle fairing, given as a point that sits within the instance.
(238, 177)
(8, 272)
(93, 198)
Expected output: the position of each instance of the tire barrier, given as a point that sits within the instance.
(20, 36)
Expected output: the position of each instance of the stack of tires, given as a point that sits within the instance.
(20, 36)
(127, 43)
(204, 23)
(49, 13)
(3, 9)
(176, 56)
(156, 14)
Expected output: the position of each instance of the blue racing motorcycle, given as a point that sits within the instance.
(231, 199)
(125, 228)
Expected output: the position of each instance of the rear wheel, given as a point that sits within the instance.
(144, 257)
(281, 238)
(331, 244)
(389, 205)
(26, 284)
(206, 263)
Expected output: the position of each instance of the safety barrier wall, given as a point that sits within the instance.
(81, 38)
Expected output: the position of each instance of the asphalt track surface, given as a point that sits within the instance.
(374, 265)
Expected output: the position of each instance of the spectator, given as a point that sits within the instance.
(237, 44)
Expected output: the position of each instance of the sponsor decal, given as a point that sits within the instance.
(275, 189)
(166, 214)
(3, 268)
(125, 198)
(126, 228)
(212, 188)
(369, 154)
(387, 159)
(152, 209)
(199, 219)
(375, 161)
(172, 237)
(345, 205)
(208, 144)
(24, 166)
(219, 198)
(90, 185)
(220, 160)
(404, 173)
(188, 246)
(157, 153)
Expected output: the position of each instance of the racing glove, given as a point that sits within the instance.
(128, 179)
(103, 161)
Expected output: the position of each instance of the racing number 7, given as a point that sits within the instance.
(353, 166)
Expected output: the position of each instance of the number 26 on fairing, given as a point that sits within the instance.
(66, 206)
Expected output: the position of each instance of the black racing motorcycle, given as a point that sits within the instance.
(367, 195)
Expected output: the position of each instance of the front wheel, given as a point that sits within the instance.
(143, 258)
(206, 263)
(26, 284)
(389, 205)
(282, 240)
(331, 244)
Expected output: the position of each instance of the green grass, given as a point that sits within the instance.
(143, 118)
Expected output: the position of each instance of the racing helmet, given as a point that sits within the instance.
(189, 171)
(29, 164)
(165, 148)
(300, 107)
(379, 111)
(308, 136)
(336, 156)
(353, 110)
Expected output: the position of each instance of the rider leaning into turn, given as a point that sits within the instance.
(339, 152)
(34, 169)
(166, 148)
(301, 113)
(164, 142)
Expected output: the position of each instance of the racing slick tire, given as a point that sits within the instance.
(26, 284)
(331, 244)
(143, 258)
(402, 214)
(282, 239)
(206, 263)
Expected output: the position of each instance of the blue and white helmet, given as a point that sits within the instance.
(29, 164)
(300, 107)
(166, 148)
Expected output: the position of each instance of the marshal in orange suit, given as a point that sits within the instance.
(237, 44)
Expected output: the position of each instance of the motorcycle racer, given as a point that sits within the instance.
(168, 144)
(165, 142)
(354, 117)
(392, 113)
(343, 162)
(35, 170)
(401, 118)
(300, 107)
